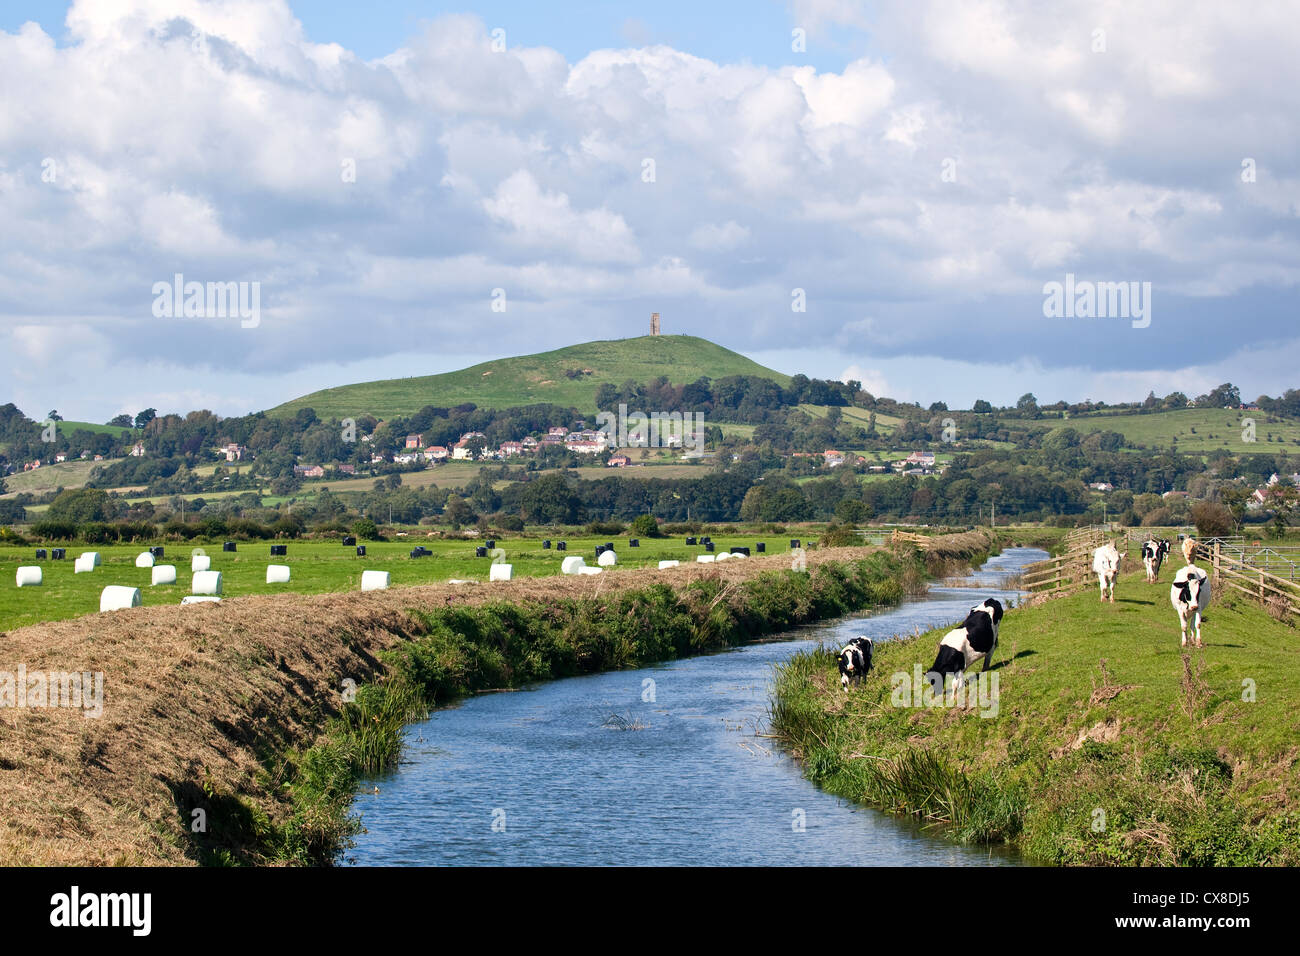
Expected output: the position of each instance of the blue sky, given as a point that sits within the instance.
(889, 206)
(726, 31)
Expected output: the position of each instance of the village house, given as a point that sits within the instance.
(586, 447)
(60, 457)
(923, 458)
(509, 448)
(233, 452)
(558, 431)
(833, 458)
(618, 461)
(529, 443)
(309, 471)
(1102, 486)
(414, 441)
(406, 458)
(137, 450)
(436, 453)
(347, 468)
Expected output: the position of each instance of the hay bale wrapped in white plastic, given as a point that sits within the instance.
(83, 565)
(164, 574)
(277, 574)
(705, 558)
(206, 582)
(586, 570)
(29, 576)
(725, 556)
(200, 562)
(91, 556)
(501, 572)
(458, 581)
(374, 580)
(572, 564)
(144, 559)
(607, 559)
(668, 564)
(115, 597)
(200, 599)
(739, 554)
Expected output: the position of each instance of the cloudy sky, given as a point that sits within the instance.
(919, 170)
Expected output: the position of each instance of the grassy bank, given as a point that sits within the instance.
(234, 715)
(1108, 746)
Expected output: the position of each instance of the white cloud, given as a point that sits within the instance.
(225, 159)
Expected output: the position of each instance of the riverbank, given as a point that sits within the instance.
(1104, 743)
(225, 735)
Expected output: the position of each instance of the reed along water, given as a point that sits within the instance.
(652, 767)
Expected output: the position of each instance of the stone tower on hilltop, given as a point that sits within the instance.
(654, 323)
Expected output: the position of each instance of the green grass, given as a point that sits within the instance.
(68, 474)
(1191, 773)
(1195, 430)
(885, 424)
(531, 379)
(317, 567)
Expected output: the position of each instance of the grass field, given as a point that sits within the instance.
(530, 379)
(1100, 718)
(317, 567)
(885, 424)
(1195, 430)
(68, 474)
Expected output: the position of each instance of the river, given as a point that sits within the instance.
(656, 766)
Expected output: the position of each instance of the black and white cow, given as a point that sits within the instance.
(1190, 596)
(855, 661)
(975, 637)
(1153, 555)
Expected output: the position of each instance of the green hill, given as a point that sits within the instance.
(567, 376)
(1195, 430)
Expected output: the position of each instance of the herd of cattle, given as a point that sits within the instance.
(1189, 594)
(977, 636)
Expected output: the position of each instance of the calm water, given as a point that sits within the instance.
(539, 776)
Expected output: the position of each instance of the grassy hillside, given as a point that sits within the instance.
(1195, 430)
(1107, 745)
(529, 379)
(68, 474)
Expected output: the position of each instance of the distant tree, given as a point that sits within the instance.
(145, 417)
(981, 406)
(1027, 405)
(645, 526)
(120, 421)
(365, 529)
(938, 406)
(54, 416)
(1211, 519)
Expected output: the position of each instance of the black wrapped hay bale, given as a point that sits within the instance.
(40, 553)
(228, 546)
(761, 548)
(361, 551)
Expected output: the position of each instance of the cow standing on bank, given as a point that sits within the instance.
(975, 637)
(1190, 596)
(1105, 562)
(1153, 555)
(855, 661)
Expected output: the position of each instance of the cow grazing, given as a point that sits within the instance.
(1153, 555)
(1189, 549)
(855, 661)
(1190, 596)
(1105, 562)
(975, 637)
